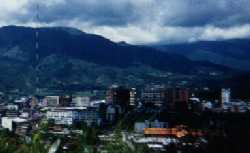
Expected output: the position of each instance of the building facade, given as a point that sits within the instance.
(81, 102)
(177, 98)
(71, 115)
(154, 94)
(117, 95)
(225, 96)
(132, 96)
(52, 101)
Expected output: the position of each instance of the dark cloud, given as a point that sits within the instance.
(123, 12)
(138, 20)
(97, 12)
(206, 12)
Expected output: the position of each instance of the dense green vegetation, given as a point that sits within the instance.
(10, 143)
(86, 142)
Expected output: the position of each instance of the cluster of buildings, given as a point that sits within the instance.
(19, 116)
(170, 98)
(70, 109)
(158, 137)
(66, 110)
(223, 105)
(23, 115)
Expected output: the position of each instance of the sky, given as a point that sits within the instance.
(137, 21)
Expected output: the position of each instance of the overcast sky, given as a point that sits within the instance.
(138, 21)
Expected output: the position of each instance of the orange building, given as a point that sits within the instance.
(174, 132)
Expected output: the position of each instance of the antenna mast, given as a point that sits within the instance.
(37, 57)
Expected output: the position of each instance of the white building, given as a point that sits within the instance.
(12, 107)
(24, 115)
(81, 102)
(132, 98)
(70, 115)
(21, 100)
(8, 122)
(97, 103)
(225, 96)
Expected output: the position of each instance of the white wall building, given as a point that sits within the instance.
(70, 115)
(12, 107)
(8, 122)
(132, 98)
(225, 96)
(21, 100)
(81, 102)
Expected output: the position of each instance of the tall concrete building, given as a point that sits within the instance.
(154, 95)
(65, 101)
(132, 97)
(176, 95)
(117, 95)
(225, 96)
(52, 101)
(177, 98)
(56, 101)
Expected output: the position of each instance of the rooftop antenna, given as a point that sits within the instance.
(37, 57)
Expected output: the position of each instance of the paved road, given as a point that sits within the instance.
(55, 146)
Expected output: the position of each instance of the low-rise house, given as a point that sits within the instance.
(13, 123)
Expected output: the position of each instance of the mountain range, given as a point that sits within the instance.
(72, 59)
(234, 53)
